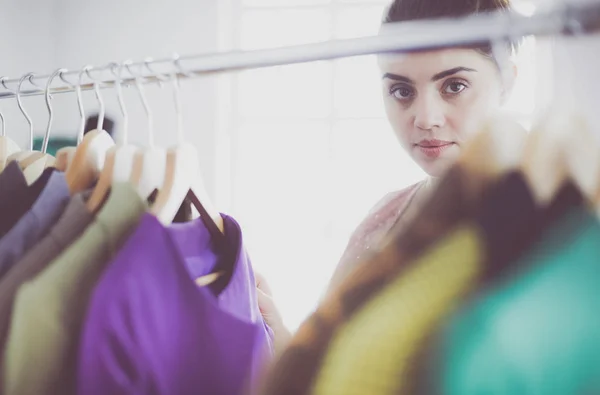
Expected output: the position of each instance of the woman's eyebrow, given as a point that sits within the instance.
(450, 72)
(397, 77)
(437, 77)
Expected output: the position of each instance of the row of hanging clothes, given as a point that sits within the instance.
(491, 289)
(103, 290)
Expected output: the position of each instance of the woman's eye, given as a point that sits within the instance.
(402, 93)
(454, 88)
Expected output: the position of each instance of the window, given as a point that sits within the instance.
(311, 150)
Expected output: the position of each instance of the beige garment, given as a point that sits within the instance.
(373, 229)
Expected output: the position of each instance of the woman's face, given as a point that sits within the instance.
(436, 100)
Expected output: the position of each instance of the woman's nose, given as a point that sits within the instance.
(429, 112)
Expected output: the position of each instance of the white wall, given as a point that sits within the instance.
(576, 65)
(27, 32)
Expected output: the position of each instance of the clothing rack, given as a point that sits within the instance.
(404, 37)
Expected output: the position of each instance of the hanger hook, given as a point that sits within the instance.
(77, 88)
(180, 70)
(80, 104)
(31, 77)
(161, 78)
(3, 133)
(98, 94)
(49, 106)
(3, 82)
(20, 104)
(176, 96)
(140, 89)
(117, 71)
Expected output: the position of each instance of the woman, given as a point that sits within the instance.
(435, 101)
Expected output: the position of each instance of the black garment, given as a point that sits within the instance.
(184, 214)
(12, 183)
(18, 198)
(511, 222)
(507, 219)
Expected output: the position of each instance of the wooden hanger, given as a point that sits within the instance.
(560, 148)
(497, 147)
(8, 146)
(580, 153)
(119, 159)
(148, 172)
(494, 150)
(88, 160)
(542, 163)
(183, 177)
(35, 164)
(90, 154)
(32, 162)
(65, 155)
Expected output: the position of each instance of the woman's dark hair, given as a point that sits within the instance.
(412, 10)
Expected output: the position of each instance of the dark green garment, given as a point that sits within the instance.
(54, 144)
(539, 333)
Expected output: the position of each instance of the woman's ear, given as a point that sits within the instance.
(510, 79)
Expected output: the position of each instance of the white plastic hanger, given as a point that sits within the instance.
(91, 152)
(496, 148)
(119, 159)
(183, 179)
(561, 148)
(7, 145)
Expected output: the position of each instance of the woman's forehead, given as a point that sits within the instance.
(426, 64)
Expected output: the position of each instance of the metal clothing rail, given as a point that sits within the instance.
(404, 37)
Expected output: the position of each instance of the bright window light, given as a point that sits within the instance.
(313, 151)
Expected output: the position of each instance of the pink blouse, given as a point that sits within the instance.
(373, 229)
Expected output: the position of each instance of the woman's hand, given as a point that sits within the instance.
(270, 313)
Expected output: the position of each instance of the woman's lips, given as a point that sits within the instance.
(433, 148)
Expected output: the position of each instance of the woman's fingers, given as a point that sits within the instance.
(262, 284)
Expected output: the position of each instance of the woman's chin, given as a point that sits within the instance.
(437, 167)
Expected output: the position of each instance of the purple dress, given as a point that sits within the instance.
(151, 330)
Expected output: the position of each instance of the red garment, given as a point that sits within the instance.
(373, 229)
